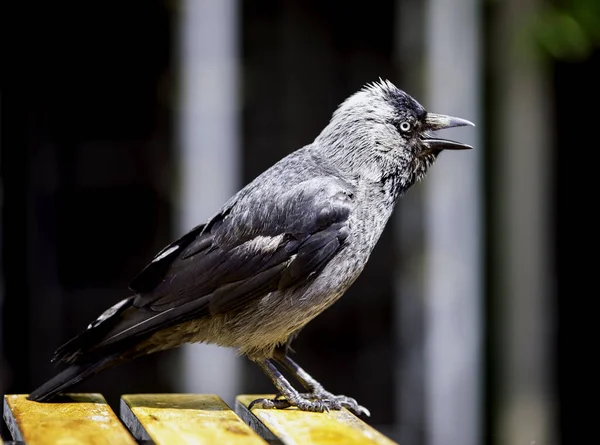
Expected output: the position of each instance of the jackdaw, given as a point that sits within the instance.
(278, 253)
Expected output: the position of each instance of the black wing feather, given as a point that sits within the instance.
(314, 253)
(235, 295)
(254, 247)
(154, 272)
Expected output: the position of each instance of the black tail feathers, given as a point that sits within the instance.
(70, 376)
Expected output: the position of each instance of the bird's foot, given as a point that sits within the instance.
(300, 402)
(315, 402)
(338, 402)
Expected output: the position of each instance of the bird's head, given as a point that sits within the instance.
(381, 131)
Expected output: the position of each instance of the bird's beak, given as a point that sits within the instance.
(434, 122)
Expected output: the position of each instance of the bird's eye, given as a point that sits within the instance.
(405, 126)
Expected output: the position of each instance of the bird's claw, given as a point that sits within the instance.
(338, 402)
(303, 404)
(313, 402)
(275, 403)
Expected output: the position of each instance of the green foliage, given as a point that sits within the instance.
(570, 31)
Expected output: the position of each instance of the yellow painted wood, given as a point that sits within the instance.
(185, 419)
(76, 419)
(294, 427)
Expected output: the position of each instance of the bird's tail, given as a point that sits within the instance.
(71, 375)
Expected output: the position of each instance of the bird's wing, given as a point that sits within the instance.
(253, 247)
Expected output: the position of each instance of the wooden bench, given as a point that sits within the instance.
(176, 419)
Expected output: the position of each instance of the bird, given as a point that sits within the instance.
(277, 254)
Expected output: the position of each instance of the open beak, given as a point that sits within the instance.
(434, 122)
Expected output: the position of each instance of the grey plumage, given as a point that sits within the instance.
(278, 253)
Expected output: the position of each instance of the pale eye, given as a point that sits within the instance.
(405, 126)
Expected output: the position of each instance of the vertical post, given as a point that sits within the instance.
(208, 154)
(453, 219)
(522, 191)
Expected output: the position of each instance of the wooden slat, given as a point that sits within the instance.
(75, 419)
(293, 427)
(184, 419)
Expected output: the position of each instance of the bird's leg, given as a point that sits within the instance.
(291, 397)
(317, 392)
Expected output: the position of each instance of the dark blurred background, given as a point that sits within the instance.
(123, 124)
